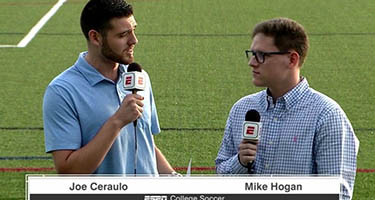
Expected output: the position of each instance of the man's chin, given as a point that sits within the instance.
(258, 83)
(127, 61)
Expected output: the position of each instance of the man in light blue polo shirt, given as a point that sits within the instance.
(88, 115)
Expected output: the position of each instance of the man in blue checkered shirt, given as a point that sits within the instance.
(303, 131)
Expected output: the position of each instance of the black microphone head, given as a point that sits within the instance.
(134, 67)
(252, 115)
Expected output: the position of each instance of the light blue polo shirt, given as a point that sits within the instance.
(80, 100)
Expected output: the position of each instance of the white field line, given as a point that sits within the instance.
(38, 26)
(6, 45)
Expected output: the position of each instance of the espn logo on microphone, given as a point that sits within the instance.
(251, 130)
(134, 80)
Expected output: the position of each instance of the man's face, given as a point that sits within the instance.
(272, 73)
(118, 44)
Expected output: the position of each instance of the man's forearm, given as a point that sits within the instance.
(88, 158)
(163, 165)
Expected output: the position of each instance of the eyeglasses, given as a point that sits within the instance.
(260, 55)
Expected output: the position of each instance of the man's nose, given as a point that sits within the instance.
(133, 39)
(252, 62)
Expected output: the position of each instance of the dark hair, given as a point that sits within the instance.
(97, 14)
(287, 34)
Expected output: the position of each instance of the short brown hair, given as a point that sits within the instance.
(97, 14)
(287, 33)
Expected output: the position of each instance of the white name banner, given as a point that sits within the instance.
(179, 188)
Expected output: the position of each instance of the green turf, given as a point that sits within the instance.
(366, 150)
(28, 143)
(19, 17)
(179, 147)
(364, 186)
(194, 53)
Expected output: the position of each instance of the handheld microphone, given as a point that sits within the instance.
(251, 126)
(251, 130)
(134, 80)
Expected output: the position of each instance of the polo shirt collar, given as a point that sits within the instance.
(92, 75)
(88, 71)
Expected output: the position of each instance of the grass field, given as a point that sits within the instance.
(194, 53)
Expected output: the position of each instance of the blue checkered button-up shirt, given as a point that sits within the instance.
(304, 132)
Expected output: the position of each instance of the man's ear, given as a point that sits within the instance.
(294, 59)
(95, 37)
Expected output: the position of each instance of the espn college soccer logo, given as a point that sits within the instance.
(154, 197)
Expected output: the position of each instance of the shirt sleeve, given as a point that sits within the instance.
(61, 124)
(336, 150)
(227, 159)
(155, 127)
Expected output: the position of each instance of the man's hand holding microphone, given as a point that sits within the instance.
(132, 106)
(250, 134)
(130, 110)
